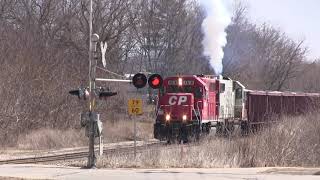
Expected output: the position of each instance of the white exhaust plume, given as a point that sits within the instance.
(213, 26)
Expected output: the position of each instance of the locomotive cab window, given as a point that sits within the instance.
(197, 91)
(238, 93)
(222, 88)
(177, 89)
(172, 89)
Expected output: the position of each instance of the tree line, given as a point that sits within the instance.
(44, 54)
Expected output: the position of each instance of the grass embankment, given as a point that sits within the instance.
(46, 139)
(115, 129)
(292, 142)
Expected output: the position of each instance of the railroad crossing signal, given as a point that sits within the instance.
(135, 106)
(140, 80)
(103, 94)
(106, 94)
(155, 81)
(84, 94)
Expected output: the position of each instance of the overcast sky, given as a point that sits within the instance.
(300, 19)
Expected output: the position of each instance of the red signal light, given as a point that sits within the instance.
(155, 81)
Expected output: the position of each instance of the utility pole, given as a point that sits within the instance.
(92, 38)
(93, 116)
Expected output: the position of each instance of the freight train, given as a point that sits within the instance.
(189, 106)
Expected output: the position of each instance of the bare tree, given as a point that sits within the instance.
(308, 80)
(262, 56)
(169, 37)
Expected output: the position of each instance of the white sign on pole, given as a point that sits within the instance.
(103, 46)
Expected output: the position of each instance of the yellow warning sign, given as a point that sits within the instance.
(135, 106)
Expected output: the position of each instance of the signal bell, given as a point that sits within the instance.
(155, 81)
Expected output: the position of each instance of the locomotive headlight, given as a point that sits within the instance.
(180, 81)
(168, 117)
(184, 117)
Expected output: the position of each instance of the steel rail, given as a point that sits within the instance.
(120, 150)
(77, 155)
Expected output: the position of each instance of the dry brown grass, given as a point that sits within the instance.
(292, 142)
(121, 130)
(113, 113)
(51, 139)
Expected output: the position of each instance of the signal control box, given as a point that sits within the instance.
(86, 118)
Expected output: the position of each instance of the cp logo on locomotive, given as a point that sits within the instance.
(173, 100)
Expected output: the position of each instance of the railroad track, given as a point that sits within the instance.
(79, 155)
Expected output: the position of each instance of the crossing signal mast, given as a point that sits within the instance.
(91, 120)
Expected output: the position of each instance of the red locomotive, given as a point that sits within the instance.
(186, 103)
(191, 105)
